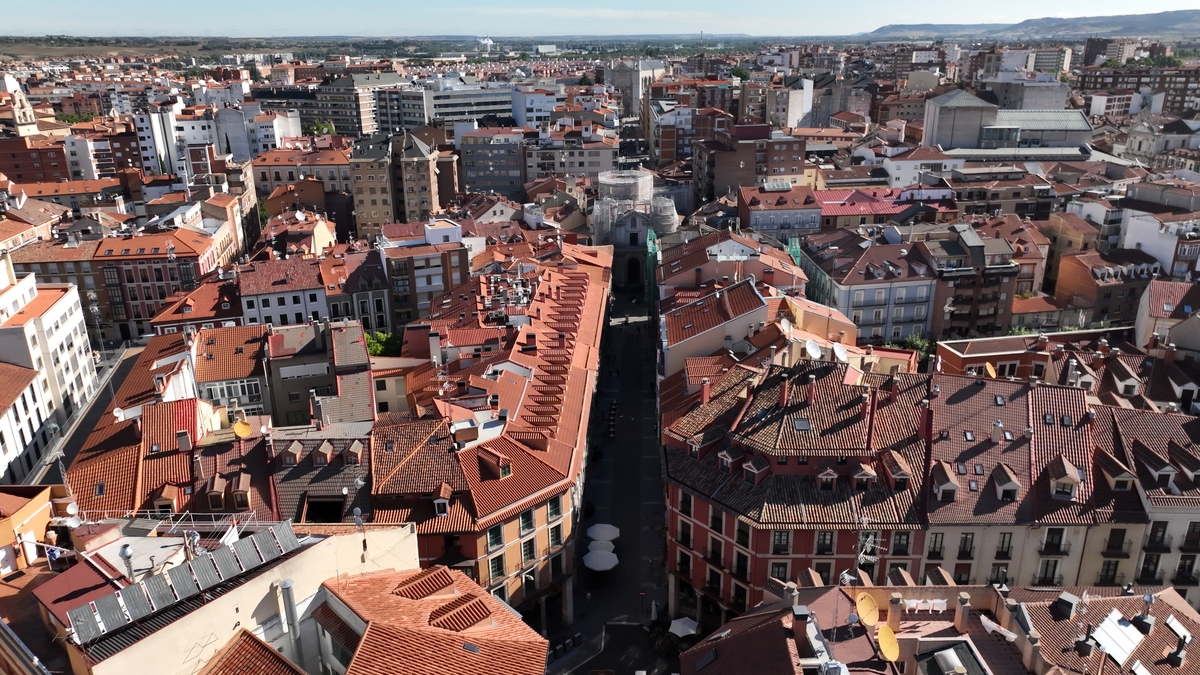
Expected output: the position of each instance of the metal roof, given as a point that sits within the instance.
(1043, 120)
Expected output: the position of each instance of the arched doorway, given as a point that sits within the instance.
(633, 272)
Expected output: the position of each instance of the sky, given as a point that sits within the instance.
(237, 18)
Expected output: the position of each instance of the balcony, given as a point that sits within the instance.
(1046, 580)
(684, 540)
(1160, 543)
(935, 553)
(1186, 578)
(1004, 552)
(966, 552)
(824, 549)
(742, 572)
(1149, 578)
(870, 302)
(996, 579)
(900, 550)
(1103, 579)
(713, 557)
(1054, 548)
(1190, 545)
(911, 301)
(1116, 549)
(683, 568)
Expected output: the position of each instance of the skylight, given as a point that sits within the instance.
(969, 435)
(1048, 418)
(962, 469)
(999, 400)
(802, 424)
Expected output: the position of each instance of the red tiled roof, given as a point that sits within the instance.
(711, 311)
(247, 654)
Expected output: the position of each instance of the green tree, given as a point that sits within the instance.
(924, 346)
(740, 73)
(384, 344)
(1020, 330)
(316, 128)
(255, 74)
(585, 81)
(72, 118)
(1112, 63)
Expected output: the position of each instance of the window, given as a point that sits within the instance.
(685, 504)
(527, 520)
(900, 543)
(528, 550)
(496, 567)
(556, 537)
(1064, 489)
(495, 536)
(380, 385)
(947, 494)
(441, 507)
(779, 570)
(554, 507)
(742, 536)
(780, 540)
(824, 542)
(716, 520)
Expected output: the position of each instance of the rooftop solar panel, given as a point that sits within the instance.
(181, 579)
(158, 590)
(83, 621)
(247, 554)
(135, 601)
(285, 535)
(266, 545)
(205, 571)
(111, 612)
(227, 564)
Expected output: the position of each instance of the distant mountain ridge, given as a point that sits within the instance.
(1184, 22)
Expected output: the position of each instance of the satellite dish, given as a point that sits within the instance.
(813, 350)
(785, 326)
(990, 370)
(242, 429)
(839, 352)
(119, 414)
(72, 509)
(868, 609)
(889, 647)
(263, 430)
(73, 522)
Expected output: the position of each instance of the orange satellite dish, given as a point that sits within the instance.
(889, 647)
(867, 608)
(242, 429)
(990, 369)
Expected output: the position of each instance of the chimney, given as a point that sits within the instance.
(293, 619)
(699, 271)
(925, 424)
(962, 613)
(1154, 338)
(998, 432)
(562, 340)
(705, 391)
(811, 396)
(772, 354)
(1169, 355)
(435, 347)
(462, 387)
(1042, 342)
(783, 393)
(183, 440)
(895, 382)
(865, 408)
(1177, 657)
(894, 610)
(1103, 346)
(750, 333)
(1144, 622)
(729, 343)
(800, 626)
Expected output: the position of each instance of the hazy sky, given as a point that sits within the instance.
(529, 17)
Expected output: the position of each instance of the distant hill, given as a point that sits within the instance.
(1185, 22)
(935, 29)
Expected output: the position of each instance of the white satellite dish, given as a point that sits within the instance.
(839, 352)
(263, 430)
(119, 414)
(72, 509)
(813, 350)
(74, 522)
(785, 326)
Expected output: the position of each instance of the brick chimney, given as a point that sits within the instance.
(811, 395)
(1169, 355)
(783, 393)
(800, 626)
(705, 391)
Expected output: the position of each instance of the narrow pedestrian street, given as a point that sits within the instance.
(624, 488)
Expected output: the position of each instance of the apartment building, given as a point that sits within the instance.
(1110, 284)
(843, 445)
(422, 262)
(34, 160)
(70, 261)
(995, 190)
(573, 152)
(283, 166)
(745, 156)
(413, 106)
(497, 506)
(371, 175)
(414, 178)
(493, 160)
(141, 272)
(356, 285)
(348, 101)
(886, 289)
(1178, 83)
(533, 106)
(780, 209)
(230, 369)
(282, 292)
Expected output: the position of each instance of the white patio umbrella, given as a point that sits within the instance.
(683, 627)
(601, 546)
(603, 532)
(600, 561)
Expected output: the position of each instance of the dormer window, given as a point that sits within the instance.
(725, 464)
(862, 484)
(901, 484)
(749, 476)
(947, 494)
(320, 459)
(441, 507)
(1122, 485)
(506, 471)
(826, 482)
(1008, 495)
(1064, 489)
(288, 459)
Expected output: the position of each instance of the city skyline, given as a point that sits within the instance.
(530, 19)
